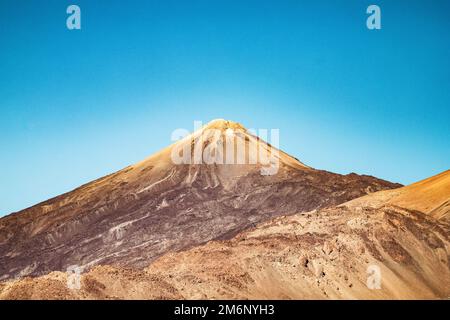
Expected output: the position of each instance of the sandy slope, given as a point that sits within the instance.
(431, 196)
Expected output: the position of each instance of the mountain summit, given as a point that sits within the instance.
(131, 217)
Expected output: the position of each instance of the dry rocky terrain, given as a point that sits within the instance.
(156, 230)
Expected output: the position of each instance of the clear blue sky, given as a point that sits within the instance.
(76, 105)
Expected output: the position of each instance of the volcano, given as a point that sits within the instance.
(133, 216)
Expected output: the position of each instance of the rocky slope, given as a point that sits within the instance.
(135, 215)
(322, 254)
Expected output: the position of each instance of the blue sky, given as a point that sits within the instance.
(76, 105)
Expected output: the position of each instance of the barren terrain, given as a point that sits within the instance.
(156, 230)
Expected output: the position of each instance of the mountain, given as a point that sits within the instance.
(133, 216)
(330, 253)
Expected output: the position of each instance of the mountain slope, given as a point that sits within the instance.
(135, 215)
(320, 255)
(323, 254)
(430, 196)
